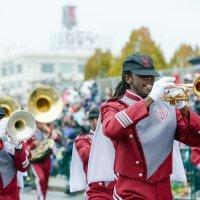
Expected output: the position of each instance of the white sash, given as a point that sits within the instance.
(77, 180)
(178, 168)
(101, 162)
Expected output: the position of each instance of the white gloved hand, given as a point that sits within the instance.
(8, 147)
(14, 144)
(178, 92)
(159, 87)
(180, 104)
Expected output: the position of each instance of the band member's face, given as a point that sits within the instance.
(93, 123)
(139, 84)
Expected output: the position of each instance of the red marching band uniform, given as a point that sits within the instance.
(97, 190)
(41, 167)
(119, 119)
(9, 165)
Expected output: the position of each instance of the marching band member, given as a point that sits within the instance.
(143, 129)
(79, 165)
(12, 159)
(40, 147)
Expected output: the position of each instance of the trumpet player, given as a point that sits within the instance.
(143, 128)
(12, 159)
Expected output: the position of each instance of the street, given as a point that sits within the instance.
(51, 195)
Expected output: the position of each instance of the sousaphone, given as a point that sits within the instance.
(9, 105)
(21, 125)
(45, 104)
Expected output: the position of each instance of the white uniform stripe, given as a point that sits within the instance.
(116, 195)
(39, 191)
(25, 164)
(127, 116)
(120, 121)
(123, 118)
(25, 161)
(116, 177)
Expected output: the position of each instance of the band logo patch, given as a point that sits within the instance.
(145, 61)
(161, 113)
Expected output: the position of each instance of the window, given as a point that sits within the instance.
(4, 71)
(47, 68)
(65, 68)
(11, 70)
(19, 68)
(19, 84)
(80, 68)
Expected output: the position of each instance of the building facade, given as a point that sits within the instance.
(19, 74)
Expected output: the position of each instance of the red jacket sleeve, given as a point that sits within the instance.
(188, 129)
(115, 121)
(21, 160)
(83, 146)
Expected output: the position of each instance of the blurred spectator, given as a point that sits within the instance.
(70, 129)
(177, 76)
(188, 78)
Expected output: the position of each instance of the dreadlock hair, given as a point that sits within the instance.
(122, 86)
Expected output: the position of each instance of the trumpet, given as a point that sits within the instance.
(184, 88)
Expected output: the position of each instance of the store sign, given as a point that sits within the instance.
(80, 40)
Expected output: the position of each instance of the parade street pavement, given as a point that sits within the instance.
(51, 195)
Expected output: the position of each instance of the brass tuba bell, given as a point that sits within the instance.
(21, 125)
(9, 105)
(185, 88)
(45, 104)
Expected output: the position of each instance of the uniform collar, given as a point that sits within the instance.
(130, 94)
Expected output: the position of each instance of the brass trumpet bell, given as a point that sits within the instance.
(185, 88)
(21, 125)
(9, 104)
(45, 104)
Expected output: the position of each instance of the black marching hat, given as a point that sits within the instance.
(140, 64)
(93, 113)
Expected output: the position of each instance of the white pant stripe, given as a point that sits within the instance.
(37, 182)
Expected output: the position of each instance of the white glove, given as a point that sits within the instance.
(8, 147)
(178, 92)
(159, 87)
(180, 104)
(13, 144)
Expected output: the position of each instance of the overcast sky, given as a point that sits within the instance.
(31, 23)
